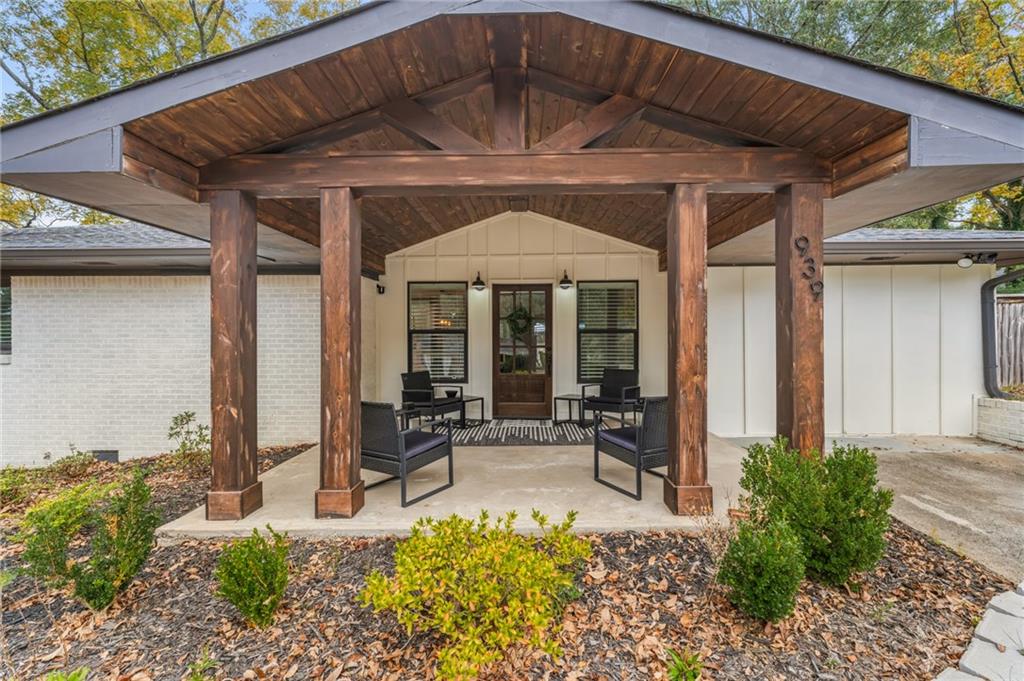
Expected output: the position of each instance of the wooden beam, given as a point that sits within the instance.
(582, 171)
(885, 156)
(341, 488)
(422, 125)
(507, 38)
(686, 489)
(336, 131)
(235, 491)
(609, 116)
(655, 115)
(142, 161)
(799, 316)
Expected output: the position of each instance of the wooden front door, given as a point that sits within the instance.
(522, 351)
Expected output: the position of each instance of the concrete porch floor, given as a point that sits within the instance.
(553, 480)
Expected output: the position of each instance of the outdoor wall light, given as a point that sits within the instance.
(478, 283)
(566, 282)
(965, 262)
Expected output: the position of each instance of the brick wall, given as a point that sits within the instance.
(105, 362)
(1001, 421)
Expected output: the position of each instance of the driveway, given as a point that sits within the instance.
(964, 492)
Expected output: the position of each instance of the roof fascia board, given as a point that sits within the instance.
(937, 246)
(220, 73)
(97, 152)
(935, 144)
(834, 74)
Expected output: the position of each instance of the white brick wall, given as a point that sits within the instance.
(1001, 421)
(105, 362)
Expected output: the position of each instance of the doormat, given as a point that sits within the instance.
(508, 432)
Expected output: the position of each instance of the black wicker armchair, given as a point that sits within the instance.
(643, 446)
(619, 393)
(419, 395)
(397, 453)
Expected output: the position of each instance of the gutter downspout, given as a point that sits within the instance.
(988, 331)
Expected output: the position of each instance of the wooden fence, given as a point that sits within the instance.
(1010, 338)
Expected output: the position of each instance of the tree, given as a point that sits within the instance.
(62, 51)
(976, 45)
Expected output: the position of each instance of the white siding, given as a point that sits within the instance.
(105, 362)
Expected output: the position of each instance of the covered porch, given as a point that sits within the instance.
(332, 147)
(551, 479)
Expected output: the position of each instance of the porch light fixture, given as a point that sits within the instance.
(965, 262)
(478, 283)
(566, 282)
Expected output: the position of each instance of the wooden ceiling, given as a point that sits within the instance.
(573, 65)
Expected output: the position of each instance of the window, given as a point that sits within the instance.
(437, 330)
(608, 332)
(5, 319)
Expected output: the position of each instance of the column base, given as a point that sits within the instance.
(339, 503)
(688, 499)
(234, 504)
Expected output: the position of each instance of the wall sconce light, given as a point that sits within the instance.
(977, 258)
(382, 285)
(965, 262)
(478, 283)
(566, 282)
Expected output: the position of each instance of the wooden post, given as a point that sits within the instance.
(234, 490)
(341, 487)
(686, 486)
(799, 316)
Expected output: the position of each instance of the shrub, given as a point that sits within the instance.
(685, 666)
(16, 483)
(120, 545)
(192, 452)
(74, 466)
(833, 505)
(252, 575)
(763, 567)
(51, 525)
(80, 674)
(480, 586)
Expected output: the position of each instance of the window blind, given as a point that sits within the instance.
(437, 330)
(607, 327)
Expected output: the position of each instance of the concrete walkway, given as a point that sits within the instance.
(552, 479)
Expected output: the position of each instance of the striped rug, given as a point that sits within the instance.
(521, 432)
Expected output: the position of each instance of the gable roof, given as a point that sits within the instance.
(897, 142)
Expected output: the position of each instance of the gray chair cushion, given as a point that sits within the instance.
(623, 437)
(419, 441)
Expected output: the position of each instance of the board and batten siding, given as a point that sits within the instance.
(104, 362)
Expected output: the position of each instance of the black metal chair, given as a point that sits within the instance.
(419, 396)
(397, 453)
(619, 394)
(643, 446)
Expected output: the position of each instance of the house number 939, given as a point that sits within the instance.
(810, 270)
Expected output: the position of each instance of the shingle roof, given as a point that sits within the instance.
(879, 234)
(126, 235)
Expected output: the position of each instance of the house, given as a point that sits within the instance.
(351, 173)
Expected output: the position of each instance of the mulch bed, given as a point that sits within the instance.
(641, 592)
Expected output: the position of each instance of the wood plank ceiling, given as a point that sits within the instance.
(573, 65)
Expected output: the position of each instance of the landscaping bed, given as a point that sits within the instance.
(641, 593)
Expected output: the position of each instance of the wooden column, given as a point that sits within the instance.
(686, 486)
(341, 487)
(799, 316)
(234, 490)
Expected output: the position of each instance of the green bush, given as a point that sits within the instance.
(74, 466)
(833, 505)
(122, 536)
(192, 452)
(763, 568)
(80, 674)
(252, 575)
(51, 525)
(684, 666)
(120, 545)
(482, 587)
(16, 484)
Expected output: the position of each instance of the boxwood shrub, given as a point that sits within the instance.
(763, 568)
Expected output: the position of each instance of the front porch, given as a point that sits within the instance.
(552, 479)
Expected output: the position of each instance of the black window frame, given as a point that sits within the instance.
(411, 333)
(7, 310)
(580, 333)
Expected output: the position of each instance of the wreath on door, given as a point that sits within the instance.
(519, 321)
